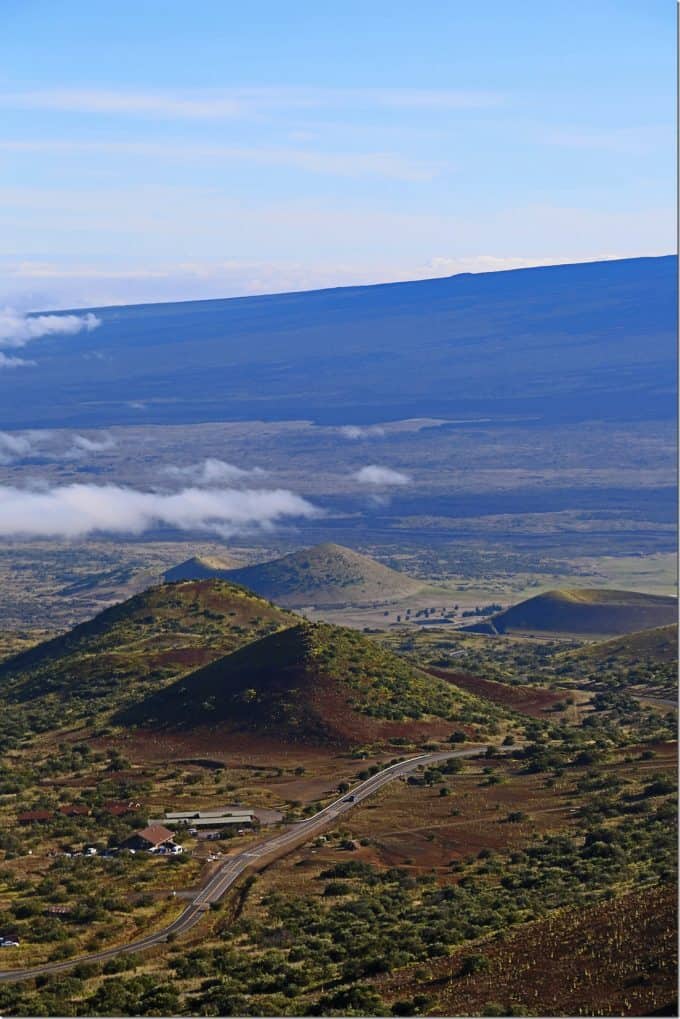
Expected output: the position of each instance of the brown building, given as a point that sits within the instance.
(149, 838)
(75, 810)
(61, 912)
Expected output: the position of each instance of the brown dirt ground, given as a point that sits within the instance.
(617, 958)
(413, 826)
(529, 700)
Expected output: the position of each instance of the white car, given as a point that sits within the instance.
(8, 943)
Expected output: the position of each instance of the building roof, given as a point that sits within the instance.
(191, 814)
(156, 834)
(71, 809)
(206, 822)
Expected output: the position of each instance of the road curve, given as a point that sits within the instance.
(234, 866)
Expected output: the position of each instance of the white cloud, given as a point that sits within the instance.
(355, 432)
(373, 474)
(74, 511)
(17, 329)
(212, 472)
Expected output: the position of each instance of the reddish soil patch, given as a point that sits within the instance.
(413, 825)
(187, 658)
(529, 700)
(616, 958)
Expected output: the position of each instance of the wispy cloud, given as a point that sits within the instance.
(75, 511)
(14, 362)
(216, 104)
(343, 164)
(381, 477)
(626, 141)
(211, 472)
(139, 104)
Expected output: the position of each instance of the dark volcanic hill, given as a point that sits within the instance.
(311, 683)
(325, 576)
(200, 568)
(589, 611)
(552, 343)
(139, 645)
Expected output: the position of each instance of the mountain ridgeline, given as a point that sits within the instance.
(325, 576)
(551, 343)
(135, 647)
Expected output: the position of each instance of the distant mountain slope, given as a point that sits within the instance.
(139, 645)
(200, 568)
(558, 343)
(587, 611)
(325, 576)
(659, 645)
(312, 683)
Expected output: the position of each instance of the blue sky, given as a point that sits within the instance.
(165, 150)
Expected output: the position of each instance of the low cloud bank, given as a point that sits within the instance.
(17, 329)
(75, 511)
(382, 477)
(355, 432)
(47, 445)
(82, 444)
(13, 447)
(213, 472)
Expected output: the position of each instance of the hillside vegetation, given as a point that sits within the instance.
(659, 645)
(312, 683)
(644, 664)
(326, 576)
(135, 647)
(587, 611)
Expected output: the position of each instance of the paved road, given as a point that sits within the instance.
(234, 866)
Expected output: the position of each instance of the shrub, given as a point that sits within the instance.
(474, 964)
